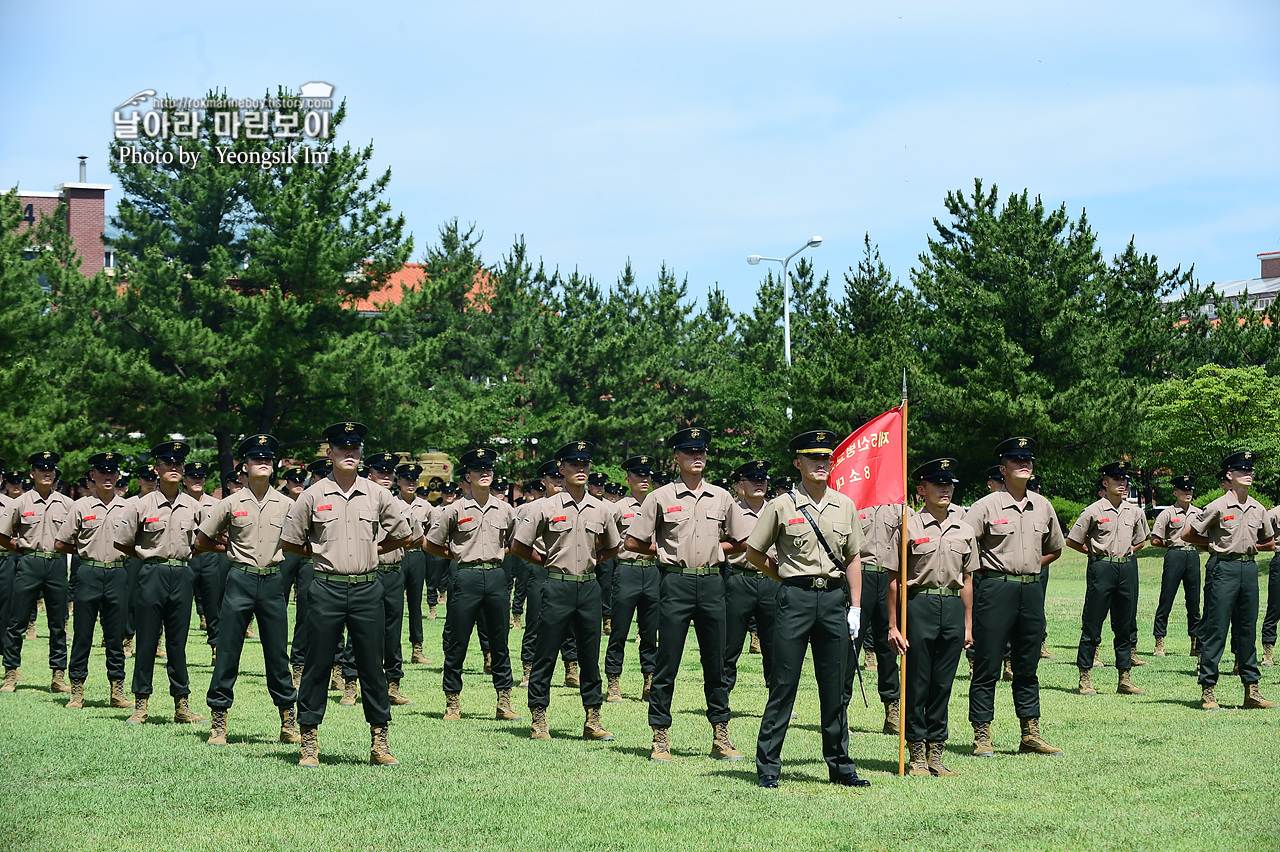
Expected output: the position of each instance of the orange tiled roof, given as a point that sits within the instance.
(410, 277)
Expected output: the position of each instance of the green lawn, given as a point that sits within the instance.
(1148, 772)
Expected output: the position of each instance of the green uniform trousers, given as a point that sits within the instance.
(356, 608)
(1273, 603)
(535, 579)
(244, 596)
(206, 583)
(520, 586)
(635, 597)
(8, 563)
(476, 590)
(132, 567)
(1181, 568)
(415, 581)
(99, 592)
(1110, 586)
(437, 578)
(748, 595)
(391, 579)
(163, 602)
(1230, 602)
(685, 598)
(296, 573)
(935, 633)
(568, 607)
(34, 576)
(604, 574)
(875, 624)
(1006, 612)
(807, 618)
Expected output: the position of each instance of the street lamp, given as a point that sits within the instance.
(754, 259)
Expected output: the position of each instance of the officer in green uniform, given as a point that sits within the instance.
(749, 595)
(296, 573)
(415, 558)
(818, 539)
(1233, 528)
(1181, 562)
(942, 554)
(635, 587)
(382, 470)
(343, 522)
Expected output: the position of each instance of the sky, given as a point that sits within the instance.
(694, 134)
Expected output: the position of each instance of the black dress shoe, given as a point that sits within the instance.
(769, 782)
(851, 780)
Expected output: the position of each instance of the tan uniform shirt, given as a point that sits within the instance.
(344, 527)
(90, 528)
(253, 529)
(879, 530)
(1233, 528)
(625, 512)
(1172, 522)
(159, 528)
(32, 521)
(1110, 532)
(752, 517)
(1274, 517)
(1012, 538)
(421, 514)
(687, 526)
(799, 552)
(395, 557)
(474, 533)
(939, 553)
(571, 531)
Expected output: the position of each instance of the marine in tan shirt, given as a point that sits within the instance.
(1181, 564)
(750, 596)
(635, 586)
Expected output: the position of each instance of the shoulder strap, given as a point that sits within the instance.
(818, 532)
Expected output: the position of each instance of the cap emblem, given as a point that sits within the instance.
(1022, 442)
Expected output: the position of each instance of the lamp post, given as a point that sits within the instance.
(754, 259)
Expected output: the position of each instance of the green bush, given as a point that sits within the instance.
(1068, 511)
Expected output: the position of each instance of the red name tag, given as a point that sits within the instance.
(464, 520)
(239, 514)
(1228, 517)
(629, 515)
(91, 517)
(1175, 520)
(671, 509)
(27, 514)
(1000, 521)
(327, 507)
(558, 518)
(862, 516)
(924, 540)
(795, 521)
(1104, 520)
(151, 520)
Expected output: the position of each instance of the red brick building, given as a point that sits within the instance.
(86, 218)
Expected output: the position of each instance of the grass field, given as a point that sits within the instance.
(1145, 772)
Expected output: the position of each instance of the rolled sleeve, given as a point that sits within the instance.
(646, 522)
(765, 534)
(297, 522)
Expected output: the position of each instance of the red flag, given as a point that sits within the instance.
(867, 466)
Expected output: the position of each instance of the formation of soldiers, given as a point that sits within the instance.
(805, 570)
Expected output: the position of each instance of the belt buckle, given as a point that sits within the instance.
(819, 582)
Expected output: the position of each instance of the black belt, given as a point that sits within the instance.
(1233, 557)
(349, 579)
(746, 572)
(480, 566)
(570, 578)
(1011, 578)
(93, 563)
(1110, 561)
(946, 593)
(253, 569)
(820, 583)
(700, 572)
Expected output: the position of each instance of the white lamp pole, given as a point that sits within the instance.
(755, 259)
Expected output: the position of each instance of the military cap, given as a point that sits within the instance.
(819, 442)
(297, 473)
(480, 458)
(83, 481)
(348, 433)
(321, 467)
(1241, 460)
(422, 491)
(662, 478)
(757, 469)
(612, 488)
(1016, 448)
(409, 470)
(123, 478)
(500, 485)
(994, 474)
(107, 462)
(534, 485)
(639, 465)
(1183, 483)
(1033, 484)
(362, 469)
(550, 468)
(784, 484)
(13, 476)
(258, 447)
(145, 471)
(576, 451)
(450, 488)
(722, 482)
(941, 471)
(196, 470)
(46, 460)
(171, 451)
(690, 440)
(385, 462)
(1117, 469)
(598, 478)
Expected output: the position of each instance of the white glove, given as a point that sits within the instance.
(855, 621)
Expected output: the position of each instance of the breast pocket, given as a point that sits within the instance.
(1002, 528)
(366, 528)
(959, 548)
(841, 532)
(241, 521)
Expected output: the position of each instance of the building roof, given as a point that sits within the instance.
(409, 278)
(1254, 286)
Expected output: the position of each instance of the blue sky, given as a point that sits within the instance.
(697, 133)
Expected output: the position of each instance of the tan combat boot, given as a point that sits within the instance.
(309, 754)
(1195, 647)
(348, 698)
(77, 695)
(1208, 701)
(982, 746)
(218, 729)
(592, 729)
(1044, 652)
(1086, 683)
(891, 711)
(139, 716)
(571, 678)
(397, 697)
(431, 613)
(1032, 742)
(31, 631)
(59, 682)
(1269, 651)
(754, 647)
(10, 680)
(443, 598)
(527, 669)
(1126, 685)
(297, 676)
(538, 729)
(505, 712)
(249, 632)
(721, 747)
(162, 654)
(1253, 699)
(289, 725)
(918, 764)
(615, 689)
(661, 745)
(936, 751)
(452, 706)
(417, 656)
(213, 655)
(204, 624)
(870, 664)
(1007, 674)
(488, 662)
(1159, 650)
(336, 683)
(648, 685)
(515, 623)
(1097, 657)
(1137, 661)
(606, 629)
(128, 646)
(379, 752)
(117, 696)
(182, 714)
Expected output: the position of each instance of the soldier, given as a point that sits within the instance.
(749, 595)
(635, 587)
(148, 481)
(1233, 528)
(421, 514)
(343, 522)
(604, 571)
(942, 554)
(29, 529)
(437, 568)
(690, 526)
(552, 481)
(578, 533)
(1273, 597)
(1109, 531)
(818, 538)
(1018, 533)
(474, 532)
(8, 560)
(296, 573)
(879, 526)
(531, 490)
(207, 574)
(1181, 563)
(159, 529)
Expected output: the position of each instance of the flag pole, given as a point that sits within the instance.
(902, 593)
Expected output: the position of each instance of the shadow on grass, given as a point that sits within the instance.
(1193, 703)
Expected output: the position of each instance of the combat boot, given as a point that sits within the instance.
(297, 676)
(648, 685)
(571, 678)
(1007, 674)
(1159, 650)
(721, 747)
(936, 751)
(289, 725)
(1032, 742)
(982, 746)
(249, 632)
(139, 715)
(1044, 655)
(162, 654)
(1269, 652)
(336, 682)
(417, 656)
(204, 623)
(615, 689)
(527, 669)
(538, 729)
(10, 680)
(117, 696)
(1208, 701)
(77, 695)
(1086, 683)
(606, 629)
(128, 646)
(182, 714)
(1097, 657)
(31, 631)
(452, 706)
(309, 754)
(397, 697)
(59, 683)
(661, 751)
(754, 647)
(488, 662)
(379, 752)
(1195, 647)
(918, 765)
(505, 712)
(891, 711)
(348, 698)
(1126, 685)
(515, 622)
(1253, 699)
(218, 729)
(1137, 661)
(870, 664)
(213, 655)
(431, 613)
(592, 729)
